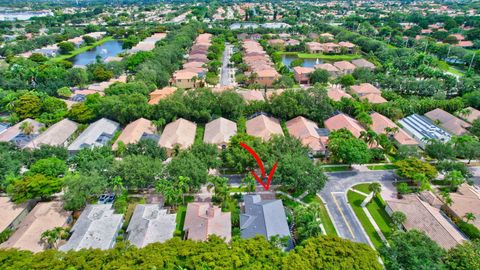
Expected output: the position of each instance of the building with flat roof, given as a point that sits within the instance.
(97, 227)
(43, 217)
(423, 130)
(150, 224)
(97, 134)
(263, 217)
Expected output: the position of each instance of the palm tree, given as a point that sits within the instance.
(220, 185)
(170, 194)
(27, 128)
(369, 137)
(390, 131)
(464, 113)
(470, 217)
(117, 184)
(446, 197)
(376, 188)
(50, 237)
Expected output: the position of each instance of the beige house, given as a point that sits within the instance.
(160, 94)
(252, 95)
(44, 216)
(380, 123)
(365, 89)
(336, 93)
(374, 98)
(302, 74)
(266, 77)
(465, 200)
(449, 122)
(426, 218)
(12, 214)
(264, 127)
(135, 131)
(56, 135)
(362, 63)
(307, 132)
(219, 132)
(331, 69)
(345, 67)
(185, 79)
(204, 219)
(342, 120)
(180, 133)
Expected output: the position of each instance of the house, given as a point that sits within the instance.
(464, 44)
(465, 200)
(160, 94)
(469, 114)
(331, 47)
(342, 120)
(97, 227)
(347, 46)
(136, 131)
(204, 219)
(150, 224)
(362, 63)
(345, 67)
(264, 217)
(314, 47)
(266, 77)
(15, 134)
(327, 36)
(424, 217)
(336, 93)
(147, 44)
(331, 69)
(365, 89)
(43, 217)
(185, 79)
(179, 133)
(56, 135)
(380, 125)
(449, 122)
(302, 74)
(12, 214)
(251, 95)
(374, 98)
(219, 132)
(98, 134)
(308, 133)
(193, 65)
(423, 130)
(264, 127)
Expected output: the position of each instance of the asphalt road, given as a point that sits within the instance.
(334, 195)
(227, 73)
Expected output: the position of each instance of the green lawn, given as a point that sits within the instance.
(446, 67)
(81, 49)
(337, 168)
(237, 189)
(377, 209)
(181, 212)
(199, 134)
(382, 167)
(309, 198)
(326, 221)
(362, 188)
(288, 202)
(355, 201)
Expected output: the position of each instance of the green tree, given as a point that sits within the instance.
(455, 178)
(80, 188)
(64, 92)
(412, 250)
(28, 106)
(346, 80)
(410, 167)
(138, 171)
(51, 167)
(345, 148)
(51, 237)
(465, 256)
(319, 76)
(375, 187)
(81, 113)
(33, 186)
(439, 150)
(186, 164)
(308, 221)
(146, 147)
(66, 47)
(466, 147)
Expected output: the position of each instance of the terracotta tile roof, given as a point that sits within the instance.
(327, 67)
(219, 131)
(428, 219)
(448, 121)
(346, 44)
(336, 93)
(374, 98)
(344, 65)
(473, 114)
(203, 219)
(306, 131)
(252, 95)
(160, 94)
(181, 133)
(184, 75)
(362, 63)
(365, 88)
(342, 120)
(380, 122)
(44, 216)
(303, 70)
(466, 200)
(9, 211)
(134, 131)
(264, 127)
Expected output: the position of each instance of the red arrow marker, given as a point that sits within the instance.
(262, 168)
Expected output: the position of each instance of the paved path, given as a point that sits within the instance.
(227, 74)
(334, 195)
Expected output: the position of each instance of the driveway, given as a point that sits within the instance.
(227, 74)
(334, 195)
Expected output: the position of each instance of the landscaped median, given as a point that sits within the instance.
(376, 209)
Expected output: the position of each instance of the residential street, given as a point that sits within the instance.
(335, 198)
(227, 74)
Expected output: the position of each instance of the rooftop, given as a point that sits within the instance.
(180, 132)
(96, 135)
(134, 131)
(203, 219)
(449, 122)
(56, 135)
(219, 131)
(264, 127)
(9, 211)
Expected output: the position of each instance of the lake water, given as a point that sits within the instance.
(109, 48)
(287, 59)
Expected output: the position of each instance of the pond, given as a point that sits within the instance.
(287, 59)
(109, 48)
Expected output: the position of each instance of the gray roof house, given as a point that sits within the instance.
(423, 130)
(149, 224)
(56, 135)
(97, 134)
(264, 217)
(97, 227)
